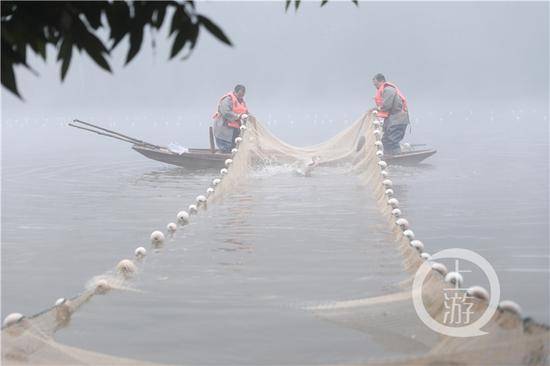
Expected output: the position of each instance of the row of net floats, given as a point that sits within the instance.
(127, 268)
(453, 278)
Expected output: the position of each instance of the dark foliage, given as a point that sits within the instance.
(323, 3)
(70, 25)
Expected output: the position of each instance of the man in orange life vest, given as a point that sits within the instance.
(227, 120)
(392, 107)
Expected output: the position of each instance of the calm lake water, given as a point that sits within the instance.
(230, 287)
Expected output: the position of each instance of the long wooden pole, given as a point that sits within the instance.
(136, 141)
(102, 133)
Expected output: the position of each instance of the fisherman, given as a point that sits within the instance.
(227, 120)
(391, 105)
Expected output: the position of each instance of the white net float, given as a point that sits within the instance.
(209, 191)
(455, 278)
(157, 237)
(216, 181)
(393, 202)
(396, 212)
(511, 306)
(102, 287)
(379, 145)
(238, 140)
(60, 301)
(192, 209)
(228, 162)
(183, 217)
(389, 192)
(234, 150)
(409, 234)
(418, 245)
(223, 171)
(426, 256)
(140, 252)
(387, 183)
(126, 268)
(12, 319)
(201, 200)
(242, 128)
(380, 154)
(384, 174)
(402, 223)
(382, 164)
(171, 227)
(439, 268)
(478, 292)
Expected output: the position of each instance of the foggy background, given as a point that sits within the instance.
(316, 59)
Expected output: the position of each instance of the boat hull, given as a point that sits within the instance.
(410, 157)
(194, 159)
(205, 159)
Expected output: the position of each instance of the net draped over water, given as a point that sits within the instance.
(389, 319)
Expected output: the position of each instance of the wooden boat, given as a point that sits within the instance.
(194, 159)
(206, 159)
(212, 158)
(411, 157)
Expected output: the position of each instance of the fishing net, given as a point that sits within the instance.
(389, 319)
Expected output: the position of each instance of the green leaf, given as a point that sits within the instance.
(65, 54)
(296, 4)
(159, 17)
(179, 42)
(118, 17)
(214, 29)
(88, 40)
(324, 2)
(287, 4)
(100, 60)
(136, 39)
(356, 2)
(65, 64)
(8, 76)
(179, 19)
(94, 48)
(39, 47)
(92, 12)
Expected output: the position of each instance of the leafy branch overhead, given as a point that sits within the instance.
(73, 25)
(298, 2)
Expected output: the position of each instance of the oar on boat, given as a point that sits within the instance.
(113, 134)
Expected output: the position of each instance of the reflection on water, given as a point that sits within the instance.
(234, 279)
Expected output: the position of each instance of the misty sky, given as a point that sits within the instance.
(435, 51)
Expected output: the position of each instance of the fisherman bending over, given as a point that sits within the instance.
(227, 120)
(392, 107)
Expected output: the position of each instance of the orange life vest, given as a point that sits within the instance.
(378, 99)
(238, 108)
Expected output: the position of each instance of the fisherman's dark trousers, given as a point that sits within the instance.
(226, 146)
(392, 136)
